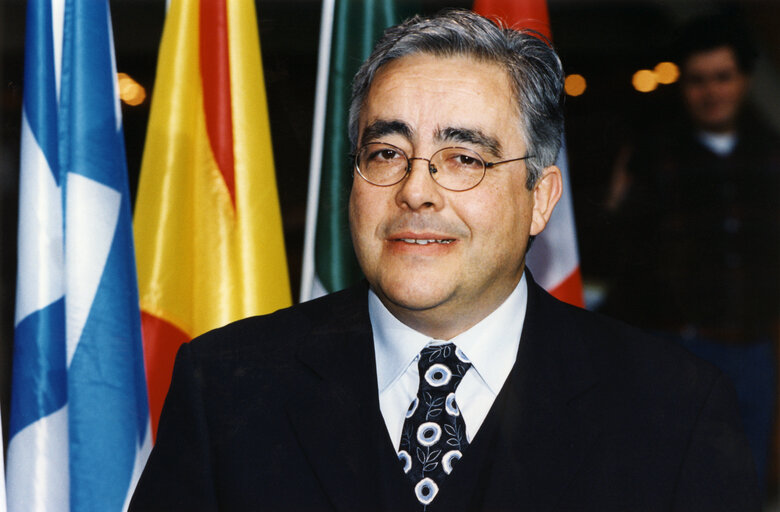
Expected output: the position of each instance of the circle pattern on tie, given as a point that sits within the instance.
(426, 489)
(412, 407)
(428, 433)
(434, 434)
(438, 375)
(451, 406)
(449, 458)
(405, 459)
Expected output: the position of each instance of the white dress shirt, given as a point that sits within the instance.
(722, 144)
(491, 345)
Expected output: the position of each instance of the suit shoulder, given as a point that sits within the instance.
(665, 419)
(277, 335)
(638, 358)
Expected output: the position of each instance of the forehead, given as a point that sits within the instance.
(430, 93)
(716, 59)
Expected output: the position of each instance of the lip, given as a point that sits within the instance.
(418, 242)
(407, 235)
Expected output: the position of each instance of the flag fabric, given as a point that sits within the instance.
(2, 478)
(208, 229)
(553, 258)
(79, 424)
(348, 32)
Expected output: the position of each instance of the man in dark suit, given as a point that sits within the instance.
(450, 381)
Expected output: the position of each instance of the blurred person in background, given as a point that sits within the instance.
(695, 207)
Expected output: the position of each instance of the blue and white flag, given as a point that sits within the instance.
(79, 425)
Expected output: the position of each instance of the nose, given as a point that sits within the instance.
(419, 190)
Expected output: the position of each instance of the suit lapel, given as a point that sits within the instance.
(335, 407)
(538, 431)
(547, 428)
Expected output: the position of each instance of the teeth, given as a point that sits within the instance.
(420, 241)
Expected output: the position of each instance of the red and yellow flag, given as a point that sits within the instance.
(208, 229)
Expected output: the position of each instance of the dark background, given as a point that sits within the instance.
(602, 40)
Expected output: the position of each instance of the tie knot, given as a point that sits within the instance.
(442, 367)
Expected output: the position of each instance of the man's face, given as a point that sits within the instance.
(713, 88)
(420, 104)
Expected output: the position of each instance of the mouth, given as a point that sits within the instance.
(425, 241)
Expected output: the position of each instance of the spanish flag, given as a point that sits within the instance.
(207, 224)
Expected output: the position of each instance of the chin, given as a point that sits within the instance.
(411, 294)
(715, 122)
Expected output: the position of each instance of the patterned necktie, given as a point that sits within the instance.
(434, 435)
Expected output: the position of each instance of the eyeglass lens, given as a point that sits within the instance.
(452, 168)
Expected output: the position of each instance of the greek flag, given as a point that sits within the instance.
(79, 425)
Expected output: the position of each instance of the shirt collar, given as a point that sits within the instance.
(395, 343)
(491, 344)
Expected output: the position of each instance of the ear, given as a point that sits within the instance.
(547, 191)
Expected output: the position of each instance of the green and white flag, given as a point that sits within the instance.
(349, 29)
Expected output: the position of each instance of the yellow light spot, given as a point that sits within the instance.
(644, 80)
(666, 72)
(575, 85)
(130, 91)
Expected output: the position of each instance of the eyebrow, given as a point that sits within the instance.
(381, 127)
(470, 136)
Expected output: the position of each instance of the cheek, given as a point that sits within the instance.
(733, 92)
(359, 204)
(691, 95)
(356, 216)
(500, 218)
(364, 218)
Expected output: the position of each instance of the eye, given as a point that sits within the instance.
(383, 155)
(695, 80)
(723, 77)
(387, 154)
(466, 160)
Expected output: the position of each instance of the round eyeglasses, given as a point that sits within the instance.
(455, 168)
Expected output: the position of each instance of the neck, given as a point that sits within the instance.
(451, 317)
(725, 128)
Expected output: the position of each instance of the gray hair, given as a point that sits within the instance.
(534, 69)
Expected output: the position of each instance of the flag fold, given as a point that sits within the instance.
(208, 228)
(79, 425)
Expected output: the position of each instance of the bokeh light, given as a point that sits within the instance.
(644, 80)
(130, 91)
(666, 72)
(575, 85)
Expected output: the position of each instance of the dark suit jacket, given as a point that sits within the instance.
(281, 413)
